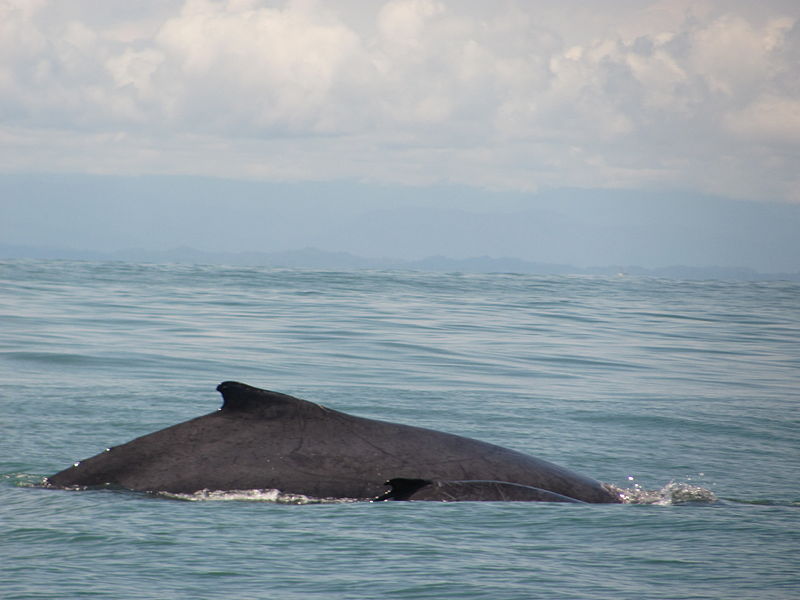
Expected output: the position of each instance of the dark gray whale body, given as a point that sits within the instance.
(266, 440)
(453, 491)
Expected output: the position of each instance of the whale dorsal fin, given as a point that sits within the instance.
(240, 399)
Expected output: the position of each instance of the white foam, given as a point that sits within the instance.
(261, 495)
(675, 492)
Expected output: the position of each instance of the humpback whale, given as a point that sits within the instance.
(260, 439)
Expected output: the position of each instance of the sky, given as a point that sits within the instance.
(403, 105)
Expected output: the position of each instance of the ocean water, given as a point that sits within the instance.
(684, 394)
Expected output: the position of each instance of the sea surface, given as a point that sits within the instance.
(684, 394)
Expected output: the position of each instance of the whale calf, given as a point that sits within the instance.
(260, 439)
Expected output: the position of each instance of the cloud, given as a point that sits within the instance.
(519, 95)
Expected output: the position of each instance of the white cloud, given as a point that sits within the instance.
(238, 68)
(699, 95)
(767, 120)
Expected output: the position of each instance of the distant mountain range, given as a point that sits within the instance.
(313, 258)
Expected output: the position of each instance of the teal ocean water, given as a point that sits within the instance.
(682, 393)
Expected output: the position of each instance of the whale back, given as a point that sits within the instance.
(460, 491)
(260, 439)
